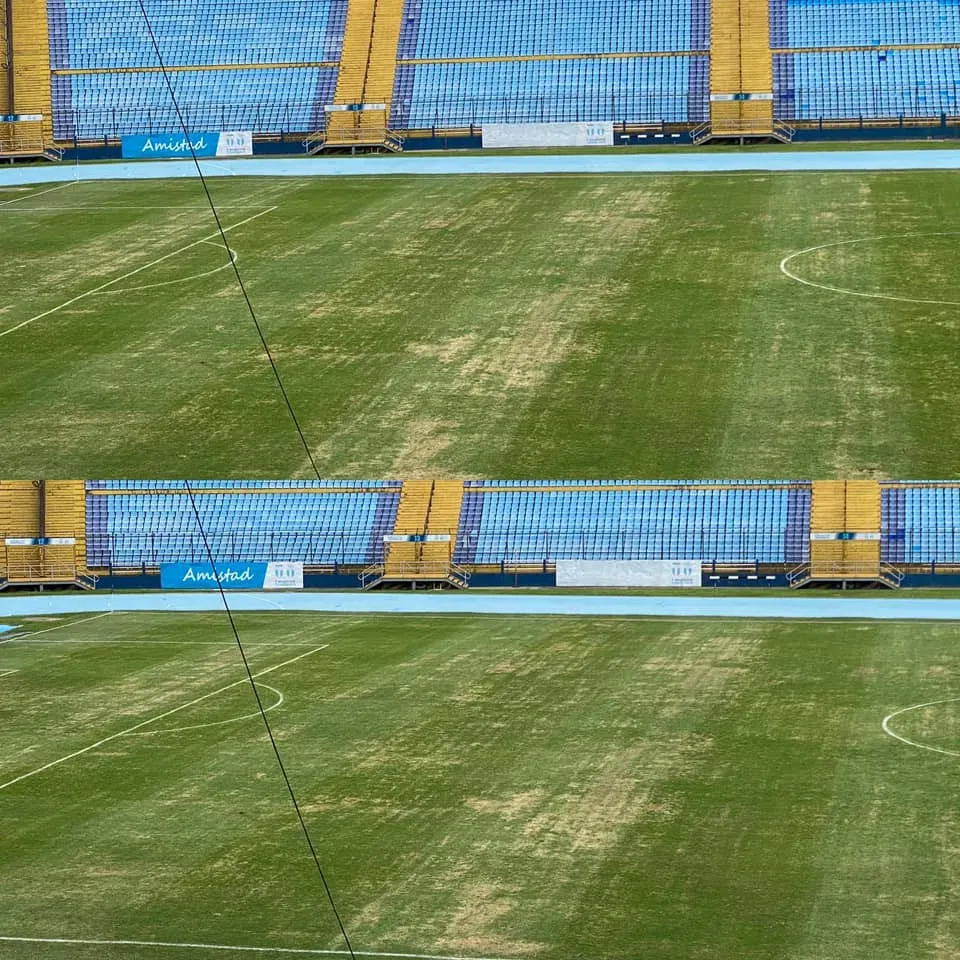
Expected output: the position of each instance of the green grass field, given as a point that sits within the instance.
(482, 786)
(578, 326)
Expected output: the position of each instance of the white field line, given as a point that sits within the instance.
(225, 644)
(234, 257)
(297, 951)
(159, 716)
(212, 723)
(59, 626)
(785, 270)
(6, 673)
(132, 273)
(913, 743)
(38, 193)
(98, 207)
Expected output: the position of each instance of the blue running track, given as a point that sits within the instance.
(680, 162)
(517, 604)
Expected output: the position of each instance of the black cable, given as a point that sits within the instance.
(226, 245)
(196, 512)
(266, 721)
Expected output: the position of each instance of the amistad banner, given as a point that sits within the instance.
(175, 146)
(283, 575)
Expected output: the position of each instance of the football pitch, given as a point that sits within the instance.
(756, 325)
(479, 786)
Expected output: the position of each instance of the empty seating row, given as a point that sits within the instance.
(133, 529)
(866, 84)
(802, 23)
(102, 34)
(629, 89)
(240, 484)
(510, 28)
(93, 106)
(756, 524)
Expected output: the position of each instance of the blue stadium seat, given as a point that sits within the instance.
(110, 37)
(733, 523)
(152, 522)
(597, 82)
(920, 523)
(632, 90)
(871, 84)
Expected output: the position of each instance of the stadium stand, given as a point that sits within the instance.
(586, 60)
(104, 66)
(627, 90)
(111, 34)
(725, 522)
(875, 81)
(718, 67)
(101, 105)
(921, 522)
(144, 523)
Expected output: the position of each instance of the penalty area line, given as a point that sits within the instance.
(59, 626)
(159, 716)
(226, 948)
(38, 193)
(132, 273)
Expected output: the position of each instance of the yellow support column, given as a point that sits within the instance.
(31, 92)
(5, 82)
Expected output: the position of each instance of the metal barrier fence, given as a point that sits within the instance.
(285, 118)
(519, 547)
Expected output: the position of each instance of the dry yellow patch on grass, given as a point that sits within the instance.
(422, 439)
(622, 793)
(510, 808)
(472, 927)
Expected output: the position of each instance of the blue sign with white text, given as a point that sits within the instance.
(253, 575)
(159, 146)
(201, 576)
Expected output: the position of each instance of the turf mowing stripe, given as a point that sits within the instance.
(302, 951)
(161, 716)
(132, 273)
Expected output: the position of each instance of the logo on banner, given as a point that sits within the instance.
(685, 573)
(235, 144)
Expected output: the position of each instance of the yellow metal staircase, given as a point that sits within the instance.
(827, 517)
(35, 512)
(845, 535)
(368, 65)
(411, 520)
(428, 509)
(28, 89)
(741, 73)
(65, 517)
(19, 520)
